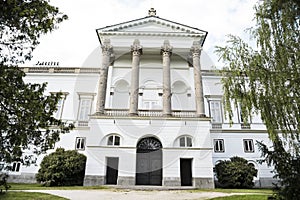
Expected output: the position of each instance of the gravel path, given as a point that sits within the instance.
(132, 194)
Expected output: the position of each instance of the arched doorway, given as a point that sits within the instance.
(149, 162)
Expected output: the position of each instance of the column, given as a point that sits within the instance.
(166, 51)
(106, 54)
(196, 52)
(136, 50)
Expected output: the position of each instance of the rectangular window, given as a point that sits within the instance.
(15, 166)
(80, 143)
(219, 146)
(215, 111)
(84, 110)
(60, 105)
(248, 146)
(58, 112)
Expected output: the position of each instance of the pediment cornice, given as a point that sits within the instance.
(151, 26)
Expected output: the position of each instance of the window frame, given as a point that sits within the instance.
(83, 97)
(16, 167)
(81, 142)
(248, 146)
(221, 148)
(60, 104)
(113, 142)
(188, 141)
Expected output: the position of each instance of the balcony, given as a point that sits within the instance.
(150, 113)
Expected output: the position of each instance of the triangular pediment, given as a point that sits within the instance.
(151, 24)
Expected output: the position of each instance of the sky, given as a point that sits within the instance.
(76, 38)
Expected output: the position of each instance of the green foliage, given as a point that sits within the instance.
(266, 80)
(26, 116)
(286, 168)
(26, 120)
(235, 173)
(62, 168)
(3, 182)
(21, 24)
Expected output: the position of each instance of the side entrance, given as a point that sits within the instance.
(149, 162)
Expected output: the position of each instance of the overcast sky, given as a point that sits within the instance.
(76, 38)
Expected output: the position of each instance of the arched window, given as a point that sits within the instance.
(113, 140)
(185, 141)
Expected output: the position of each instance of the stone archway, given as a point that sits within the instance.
(149, 162)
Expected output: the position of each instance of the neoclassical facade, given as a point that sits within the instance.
(147, 109)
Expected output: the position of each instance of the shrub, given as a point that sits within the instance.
(3, 182)
(235, 173)
(62, 168)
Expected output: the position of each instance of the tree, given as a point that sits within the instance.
(22, 22)
(62, 168)
(25, 111)
(287, 169)
(265, 80)
(235, 173)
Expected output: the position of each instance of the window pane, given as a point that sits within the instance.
(110, 140)
(182, 142)
(215, 111)
(189, 141)
(85, 105)
(217, 145)
(14, 167)
(117, 140)
(18, 167)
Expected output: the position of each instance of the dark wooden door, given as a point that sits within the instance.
(149, 162)
(149, 168)
(112, 170)
(186, 172)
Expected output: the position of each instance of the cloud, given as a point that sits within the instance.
(76, 38)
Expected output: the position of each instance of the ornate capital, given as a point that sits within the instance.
(166, 49)
(107, 48)
(196, 48)
(136, 48)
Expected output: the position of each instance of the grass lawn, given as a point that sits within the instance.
(11, 195)
(259, 191)
(36, 186)
(243, 197)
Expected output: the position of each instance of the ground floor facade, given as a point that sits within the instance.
(171, 152)
(161, 152)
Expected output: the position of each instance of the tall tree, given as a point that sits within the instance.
(26, 113)
(22, 22)
(267, 79)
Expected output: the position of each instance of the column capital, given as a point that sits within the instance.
(107, 48)
(166, 49)
(196, 48)
(136, 48)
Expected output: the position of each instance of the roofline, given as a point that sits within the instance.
(151, 17)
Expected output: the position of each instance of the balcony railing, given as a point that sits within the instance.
(150, 113)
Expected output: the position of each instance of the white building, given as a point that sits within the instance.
(147, 111)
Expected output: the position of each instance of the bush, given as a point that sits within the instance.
(235, 173)
(62, 168)
(3, 182)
